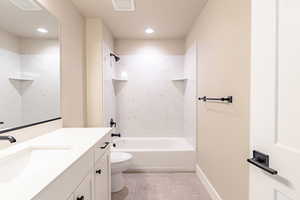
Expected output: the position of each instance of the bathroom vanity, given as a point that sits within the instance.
(67, 164)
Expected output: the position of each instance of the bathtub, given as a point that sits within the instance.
(158, 154)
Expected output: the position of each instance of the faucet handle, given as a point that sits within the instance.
(12, 139)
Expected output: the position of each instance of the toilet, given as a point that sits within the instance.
(120, 162)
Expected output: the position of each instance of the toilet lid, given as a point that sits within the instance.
(117, 157)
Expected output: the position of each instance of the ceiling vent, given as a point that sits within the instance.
(26, 5)
(123, 5)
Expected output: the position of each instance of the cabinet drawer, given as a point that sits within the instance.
(71, 197)
(101, 147)
(65, 184)
(85, 189)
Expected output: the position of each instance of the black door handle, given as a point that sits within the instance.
(106, 144)
(261, 161)
(80, 198)
(99, 171)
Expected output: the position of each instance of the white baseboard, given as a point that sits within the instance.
(208, 186)
(160, 169)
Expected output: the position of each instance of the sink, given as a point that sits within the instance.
(30, 161)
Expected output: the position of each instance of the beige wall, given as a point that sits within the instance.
(96, 34)
(38, 45)
(9, 41)
(222, 32)
(72, 61)
(108, 37)
(129, 47)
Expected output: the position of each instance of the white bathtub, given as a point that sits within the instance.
(158, 154)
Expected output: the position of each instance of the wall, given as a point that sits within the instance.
(190, 95)
(98, 38)
(40, 58)
(9, 42)
(108, 37)
(150, 104)
(11, 101)
(109, 97)
(168, 47)
(222, 32)
(94, 37)
(73, 77)
(26, 102)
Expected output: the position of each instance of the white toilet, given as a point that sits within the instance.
(120, 162)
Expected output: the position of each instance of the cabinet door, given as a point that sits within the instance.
(71, 197)
(103, 178)
(84, 190)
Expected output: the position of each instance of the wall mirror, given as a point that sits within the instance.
(30, 65)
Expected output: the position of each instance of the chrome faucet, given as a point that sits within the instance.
(11, 139)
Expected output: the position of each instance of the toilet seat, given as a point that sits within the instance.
(118, 157)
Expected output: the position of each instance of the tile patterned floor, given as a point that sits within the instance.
(162, 186)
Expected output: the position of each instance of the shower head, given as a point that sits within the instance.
(117, 58)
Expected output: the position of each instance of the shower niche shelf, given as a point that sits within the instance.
(20, 77)
(180, 78)
(119, 79)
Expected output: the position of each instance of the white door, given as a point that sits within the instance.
(103, 178)
(275, 98)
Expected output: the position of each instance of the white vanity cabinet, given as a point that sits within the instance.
(89, 178)
(71, 197)
(85, 189)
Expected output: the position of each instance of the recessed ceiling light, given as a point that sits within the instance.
(42, 30)
(149, 31)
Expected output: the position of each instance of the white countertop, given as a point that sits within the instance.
(43, 166)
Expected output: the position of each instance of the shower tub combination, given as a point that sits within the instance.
(158, 154)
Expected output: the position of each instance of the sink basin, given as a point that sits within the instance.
(30, 161)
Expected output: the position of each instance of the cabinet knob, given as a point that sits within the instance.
(80, 198)
(99, 171)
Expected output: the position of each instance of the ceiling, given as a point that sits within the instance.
(171, 19)
(24, 23)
